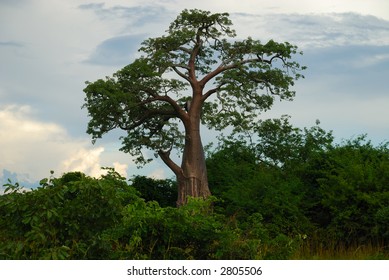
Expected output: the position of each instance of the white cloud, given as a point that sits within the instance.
(86, 161)
(21, 138)
(121, 168)
(377, 7)
(314, 30)
(34, 147)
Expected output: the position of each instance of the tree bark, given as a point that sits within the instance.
(193, 180)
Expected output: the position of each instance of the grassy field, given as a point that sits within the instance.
(312, 251)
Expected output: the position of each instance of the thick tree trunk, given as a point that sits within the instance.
(193, 180)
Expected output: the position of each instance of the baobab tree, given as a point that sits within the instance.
(194, 74)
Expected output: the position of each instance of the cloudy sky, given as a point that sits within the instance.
(49, 48)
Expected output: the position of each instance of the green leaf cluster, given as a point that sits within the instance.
(63, 218)
(232, 82)
(304, 184)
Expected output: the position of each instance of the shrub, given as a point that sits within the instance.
(63, 218)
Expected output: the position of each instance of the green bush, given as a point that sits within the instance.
(193, 231)
(354, 192)
(63, 218)
(250, 186)
(303, 184)
(162, 191)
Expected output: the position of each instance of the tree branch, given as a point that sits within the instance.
(222, 67)
(180, 112)
(181, 66)
(216, 72)
(179, 73)
(212, 91)
(192, 59)
(165, 156)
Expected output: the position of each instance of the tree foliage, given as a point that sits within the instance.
(162, 191)
(194, 74)
(144, 100)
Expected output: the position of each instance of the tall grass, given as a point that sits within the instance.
(314, 250)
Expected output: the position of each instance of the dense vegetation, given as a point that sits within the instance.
(289, 194)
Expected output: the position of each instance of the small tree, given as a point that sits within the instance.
(194, 74)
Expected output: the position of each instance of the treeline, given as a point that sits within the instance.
(289, 194)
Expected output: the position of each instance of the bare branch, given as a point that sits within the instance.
(193, 55)
(178, 109)
(222, 67)
(212, 91)
(179, 73)
(216, 72)
(181, 66)
(165, 156)
(279, 57)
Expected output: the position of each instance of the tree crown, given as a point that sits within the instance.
(232, 82)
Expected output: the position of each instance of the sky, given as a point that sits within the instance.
(49, 48)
